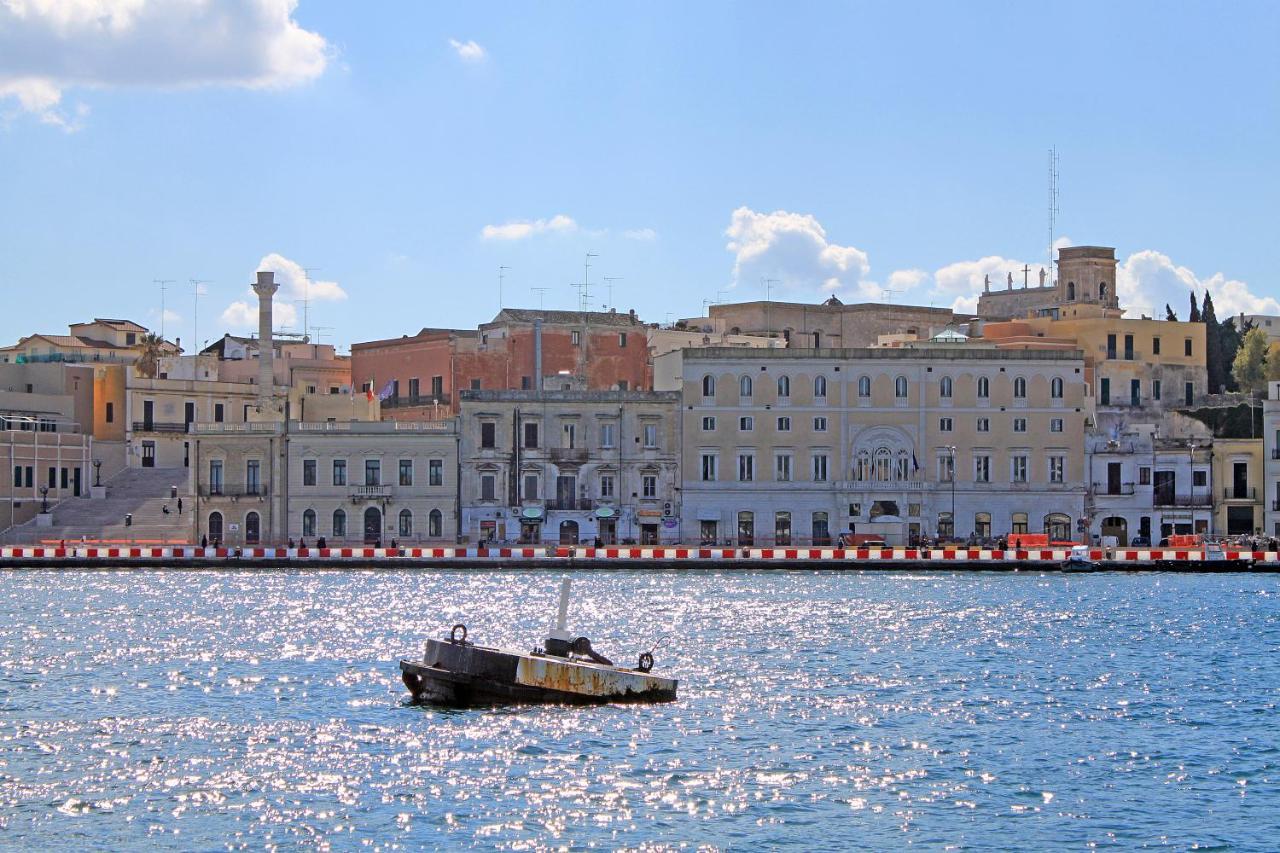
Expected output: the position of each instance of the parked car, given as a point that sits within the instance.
(1140, 541)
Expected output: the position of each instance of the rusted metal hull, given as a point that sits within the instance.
(461, 674)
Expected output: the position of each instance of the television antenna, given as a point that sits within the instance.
(320, 331)
(584, 288)
(609, 280)
(306, 295)
(1053, 200)
(540, 291)
(501, 274)
(164, 284)
(887, 295)
(196, 293)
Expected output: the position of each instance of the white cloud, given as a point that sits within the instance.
(242, 315)
(520, 229)
(468, 51)
(963, 281)
(1063, 242)
(295, 284)
(903, 280)
(1147, 280)
(792, 248)
(642, 234)
(47, 47)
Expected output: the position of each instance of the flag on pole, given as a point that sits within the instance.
(368, 391)
(387, 390)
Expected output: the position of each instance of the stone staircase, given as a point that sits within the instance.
(142, 492)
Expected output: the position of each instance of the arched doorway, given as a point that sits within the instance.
(1058, 526)
(1117, 526)
(215, 528)
(252, 529)
(568, 533)
(372, 524)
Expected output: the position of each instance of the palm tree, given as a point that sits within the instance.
(150, 349)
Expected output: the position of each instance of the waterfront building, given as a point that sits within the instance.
(420, 376)
(1271, 458)
(1146, 487)
(1238, 486)
(569, 465)
(799, 445)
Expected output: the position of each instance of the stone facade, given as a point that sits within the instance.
(1238, 486)
(1143, 486)
(1271, 458)
(798, 446)
(570, 466)
(830, 324)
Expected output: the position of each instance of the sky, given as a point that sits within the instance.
(389, 159)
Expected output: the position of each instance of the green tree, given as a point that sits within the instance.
(1250, 364)
(1273, 362)
(1213, 361)
(1169, 315)
(149, 351)
(1229, 340)
(1194, 316)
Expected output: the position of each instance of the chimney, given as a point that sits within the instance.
(265, 287)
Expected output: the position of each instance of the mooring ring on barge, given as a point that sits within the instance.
(646, 662)
(453, 635)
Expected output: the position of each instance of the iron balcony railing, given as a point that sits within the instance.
(1231, 493)
(1113, 489)
(206, 490)
(370, 492)
(160, 426)
(1182, 500)
(571, 504)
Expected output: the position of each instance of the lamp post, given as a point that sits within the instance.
(1193, 484)
(951, 450)
(97, 472)
(44, 498)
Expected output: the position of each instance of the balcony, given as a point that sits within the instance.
(575, 455)
(371, 493)
(1109, 489)
(1240, 494)
(572, 504)
(442, 399)
(233, 492)
(1162, 500)
(160, 426)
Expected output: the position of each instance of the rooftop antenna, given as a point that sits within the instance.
(584, 289)
(768, 298)
(540, 291)
(306, 296)
(609, 280)
(501, 274)
(195, 312)
(887, 295)
(1053, 200)
(164, 284)
(320, 331)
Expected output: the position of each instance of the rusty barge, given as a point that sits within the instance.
(567, 670)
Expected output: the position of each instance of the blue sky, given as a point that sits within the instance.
(409, 150)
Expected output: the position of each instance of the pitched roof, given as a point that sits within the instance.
(565, 318)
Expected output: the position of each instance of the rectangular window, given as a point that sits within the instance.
(253, 476)
(406, 472)
(710, 467)
(820, 467)
(373, 472)
(569, 436)
(488, 435)
(1144, 476)
(1189, 392)
(1111, 346)
(218, 413)
(413, 389)
(531, 436)
(1186, 347)
(622, 384)
(622, 340)
(1018, 469)
(708, 424)
(1104, 392)
(1155, 346)
(606, 485)
(339, 472)
(1155, 389)
(1128, 347)
(575, 338)
(946, 468)
(215, 477)
(984, 425)
(649, 486)
(437, 386)
(308, 472)
(1055, 425)
(435, 472)
(608, 435)
(819, 424)
(1057, 468)
(782, 467)
(746, 467)
(784, 424)
(475, 384)
(486, 487)
(526, 383)
(944, 424)
(1199, 478)
(982, 468)
(111, 412)
(1019, 424)
(650, 436)
(746, 423)
(530, 487)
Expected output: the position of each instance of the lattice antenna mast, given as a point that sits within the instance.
(306, 296)
(320, 331)
(609, 280)
(164, 285)
(1053, 201)
(502, 273)
(540, 291)
(196, 285)
(584, 288)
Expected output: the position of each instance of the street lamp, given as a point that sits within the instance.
(1193, 484)
(97, 472)
(44, 498)
(951, 450)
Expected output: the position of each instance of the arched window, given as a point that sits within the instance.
(819, 386)
(744, 386)
(944, 387)
(339, 524)
(252, 528)
(902, 467)
(862, 468)
(883, 465)
(1071, 291)
(900, 387)
(215, 528)
(1019, 523)
(1020, 388)
(982, 525)
(435, 524)
(864, 386)
(1102, 291)
(984, 387)
(1055, 388)
(1058, 526)
(406, 523)
(309, 523)
(708, 386)
(784, 386)
(746, 528)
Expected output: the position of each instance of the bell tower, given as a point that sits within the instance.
(1087, 276)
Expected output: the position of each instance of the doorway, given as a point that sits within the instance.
(648, 534)
(148, 454)
(568, 533)
(608, 531)
(1117, 526)
(372, 525)
(252, 529)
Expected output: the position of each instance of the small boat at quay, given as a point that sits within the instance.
(1079, 562)
(566, 670)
